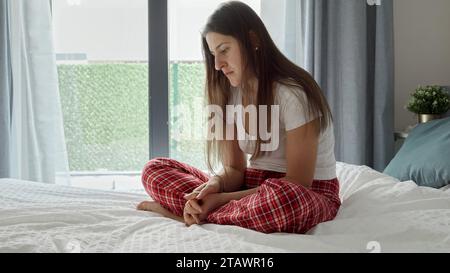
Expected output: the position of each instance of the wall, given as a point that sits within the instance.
(422, 50)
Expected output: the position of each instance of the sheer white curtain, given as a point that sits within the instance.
(35, 142)
(284, 22)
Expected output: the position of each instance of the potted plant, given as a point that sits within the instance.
(429, 102)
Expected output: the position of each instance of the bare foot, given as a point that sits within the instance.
(156, 207)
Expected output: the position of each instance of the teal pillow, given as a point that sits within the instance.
(425, 155)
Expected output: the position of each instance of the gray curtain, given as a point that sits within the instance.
(5, 92)
(349, 49)
(347, 45)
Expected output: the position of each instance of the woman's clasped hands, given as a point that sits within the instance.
(202, 201)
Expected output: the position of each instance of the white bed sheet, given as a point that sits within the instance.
(378, 214)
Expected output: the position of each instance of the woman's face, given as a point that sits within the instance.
(227, 56)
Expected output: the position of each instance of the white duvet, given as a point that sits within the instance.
(378, 214)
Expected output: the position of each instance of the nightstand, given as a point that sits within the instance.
(400, 136)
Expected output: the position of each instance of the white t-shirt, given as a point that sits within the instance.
(291, 116)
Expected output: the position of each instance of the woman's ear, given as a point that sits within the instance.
(254, 39)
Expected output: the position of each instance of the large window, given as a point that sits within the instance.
(103, 81)
(102, 56)
(187, 77)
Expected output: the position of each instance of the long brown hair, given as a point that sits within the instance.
(267, 63)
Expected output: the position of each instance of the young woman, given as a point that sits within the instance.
(289, 189)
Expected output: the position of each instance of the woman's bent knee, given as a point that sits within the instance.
(151, 172)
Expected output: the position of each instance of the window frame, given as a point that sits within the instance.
(158, 64)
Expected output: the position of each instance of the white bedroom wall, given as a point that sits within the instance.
(422, 50)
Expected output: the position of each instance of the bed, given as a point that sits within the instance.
(378, 214)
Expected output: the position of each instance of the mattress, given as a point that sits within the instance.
(378, 214)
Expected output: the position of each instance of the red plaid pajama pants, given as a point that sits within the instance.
(277, 206)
